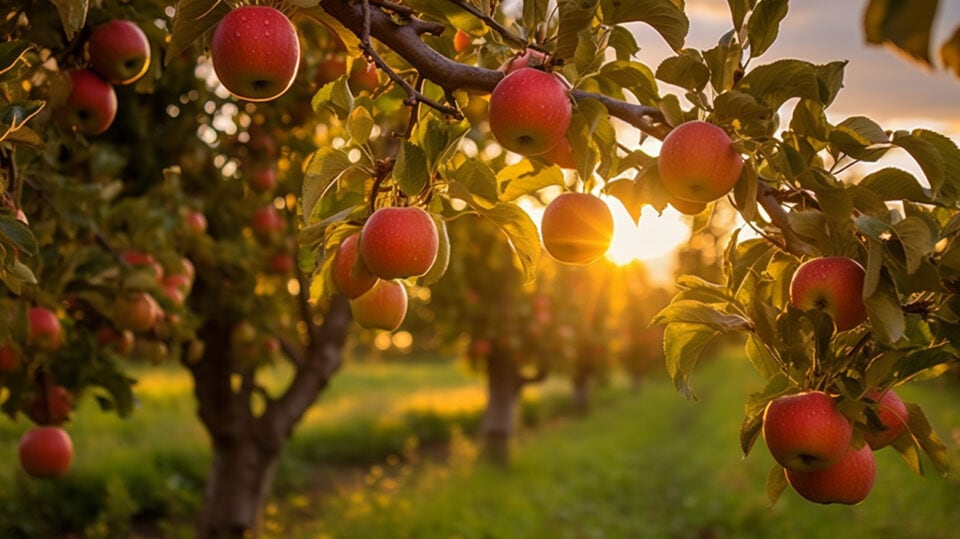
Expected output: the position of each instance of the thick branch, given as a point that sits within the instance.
(767, 197)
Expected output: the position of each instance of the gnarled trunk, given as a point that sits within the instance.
(237, 488)
(503, 391)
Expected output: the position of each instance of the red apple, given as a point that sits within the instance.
(806, 431)
(92, 104)
(196, 222)
(119, 51)
(892, 413)
(46, 452)
(577, 228)
(267, 223)
(137, 311)
(330, 69)
(121, 342)
(139, 258)
(280, 264)
(45, 330)
(529, 58)
(831, 284)
(179, 281)
(687, 207)
(382, 307)
(9, 359)
(364, 77)
(849, 481)
(53, 408)
(255, 52)
(263, 180)
(461, 41)
(350, 273)
(399, 242)
(529, 111)
(698, 162)
(186, 268)
(561, 154)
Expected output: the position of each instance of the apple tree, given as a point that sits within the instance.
(121, 188)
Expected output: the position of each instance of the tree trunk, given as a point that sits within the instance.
(581, 394)
(237, 488)
(503, 392)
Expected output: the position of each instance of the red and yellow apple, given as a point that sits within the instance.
(45, 331)
(51, 406)
(561, 154)
(529, 58)
(831, 284)
(382, 307)
(9, 359)
(399, 242)
(698, 162)
(849, 481)
(137, 258)
(92, 104)
(137, 311)
(350, 274)
(805, 431)
(263, 180)
(255, 52)
(892, 413)
(461, 41)
(529, 111)
(267, 223)
(195, 221)
(577, 228)
(119, 51)
(46, 452)
(364, 77)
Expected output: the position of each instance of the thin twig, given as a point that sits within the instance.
(492, 23)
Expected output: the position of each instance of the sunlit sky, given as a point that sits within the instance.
(878, 83)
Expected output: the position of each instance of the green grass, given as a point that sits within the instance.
(647, 465)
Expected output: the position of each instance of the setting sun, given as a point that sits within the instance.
(654, 236)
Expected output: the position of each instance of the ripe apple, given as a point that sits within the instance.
(461, 41)
(179, 281)
(46, 452)
(121, 342)
(561, 154)
(399, 242)
(137, 311)
(263, 180)
(280, 264)
(53, 408)
(136, 258)
(364, 77)
(687, 207)
(119, 51)
(22, 217)
(805, 431)
(350, 273)
(330, 68)
(892, 413)
(195, 221)
(255, 52)
(92, 104)
(577, 228)
(529, 58)
(267, 223)
(382, 307)
(698, 162)
(849, 481)
(9, 359)
(45, 330)
(832, 284)
(529, 111)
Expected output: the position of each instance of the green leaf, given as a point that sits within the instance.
(624, 43)
(745, 191)
(762, 357)
(683, 344)
(350, 40)
(478, 178)
(776, 483)
(926, 438)
(359, 124)
(917, 240)
(11, 53)
(739, 10)
(736, 105)
(686, 70)
(895, 184)
(534, 12)
(950, 53)
(830, 80)
(695, 312)
(575, 16)
(439, 138)
(73, 15)
(440, 266)
(526, 177)
(775, 83)
(854, 135)
(663, 15)
(633, 77)
(905, 25)
(885, 313)
(193, 19)
(18, 234)
(939, 158)
(630, 193)
(323, 169)
(335, 95)
(764, 25)
(724, 61)
(410, 170)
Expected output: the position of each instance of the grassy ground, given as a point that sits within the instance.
(366, 464)
(647, 465)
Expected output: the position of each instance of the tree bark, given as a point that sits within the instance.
(237, 488)
(503, 391)
(581, 394)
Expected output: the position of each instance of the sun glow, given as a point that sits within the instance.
(653, 237)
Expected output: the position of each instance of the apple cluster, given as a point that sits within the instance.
(814, 442)
(119, 54)
(395, 243)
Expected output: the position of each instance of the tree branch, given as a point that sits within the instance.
(767, 197)
(504, 32)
